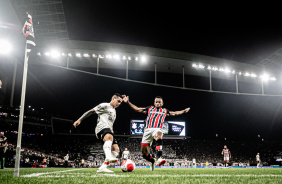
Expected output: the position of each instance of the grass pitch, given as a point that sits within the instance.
(144, 175)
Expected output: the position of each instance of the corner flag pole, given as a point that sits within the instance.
(28, 32)
(18, 149)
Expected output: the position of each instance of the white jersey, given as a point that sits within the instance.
(125, 154)
(106, 116)
(257, 157)
(66, 158)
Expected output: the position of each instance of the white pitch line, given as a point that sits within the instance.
(194, 175)
(39, 174)
(155, 176)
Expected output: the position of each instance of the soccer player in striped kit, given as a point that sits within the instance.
(154, 122)
(226, 155)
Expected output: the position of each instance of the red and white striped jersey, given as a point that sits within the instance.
(225, 152)
(156, 116)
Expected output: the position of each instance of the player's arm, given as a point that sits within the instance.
(85, 115)
(222, 152)
(132, 106)
(229, 154)
(4, 144)
(176, 113)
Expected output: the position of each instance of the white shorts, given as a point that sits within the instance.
(226, 158)
(148, 136)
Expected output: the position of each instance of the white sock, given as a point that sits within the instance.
(114, 154)
(104, 165)
(107, 148)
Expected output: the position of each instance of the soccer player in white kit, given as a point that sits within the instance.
(104, 129)
(226, 155)
(258, 160)
(125, 154)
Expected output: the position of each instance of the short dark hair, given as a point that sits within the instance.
(159, 97)
(116, 95)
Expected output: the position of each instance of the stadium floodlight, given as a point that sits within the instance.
(100, 56)
(123, 57)
(194, 65)
(38, 54)
(136, 58)
(129, 58)
(240, 73)
(86, 55)
(55, 54)
(264, 77)
(94, 55)
(209, 68)
(201, 66)
(247, 74)
(227, 70)
(273, 78)
(47, 54)
(215, 68)
(109, 56)
(78, 55)
(221, 69)
(116, 56)
(69, 54)
(64, 54)
(253, 75)
(143, 58)
(5, 47)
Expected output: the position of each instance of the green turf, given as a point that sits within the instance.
(174, 175)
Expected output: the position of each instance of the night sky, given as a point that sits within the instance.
(236, 32)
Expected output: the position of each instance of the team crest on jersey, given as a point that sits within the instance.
(100, 107)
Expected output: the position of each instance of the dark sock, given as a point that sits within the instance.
(149, 158)
(159, 148)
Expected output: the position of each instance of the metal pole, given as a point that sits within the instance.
(183, 76)
(262, 89)
(210, 81)
(126, 68)
(98, 65)
(68, 60)
(237, 91)
(13, 84)
(18, 149)
(155, 73)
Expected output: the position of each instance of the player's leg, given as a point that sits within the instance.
(107, 147)
(145, 146)
(159, 148)
(115, 150)
(2, 160)
(107, 138)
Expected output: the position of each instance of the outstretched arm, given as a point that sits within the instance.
(85, 115)
(176, 113)
(134, 107)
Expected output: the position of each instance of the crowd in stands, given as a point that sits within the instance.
(39, 142)
(55, 147)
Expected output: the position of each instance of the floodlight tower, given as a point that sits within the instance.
(98, 58)
(127, 59)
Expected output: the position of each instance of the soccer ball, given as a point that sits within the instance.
(128, 166)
